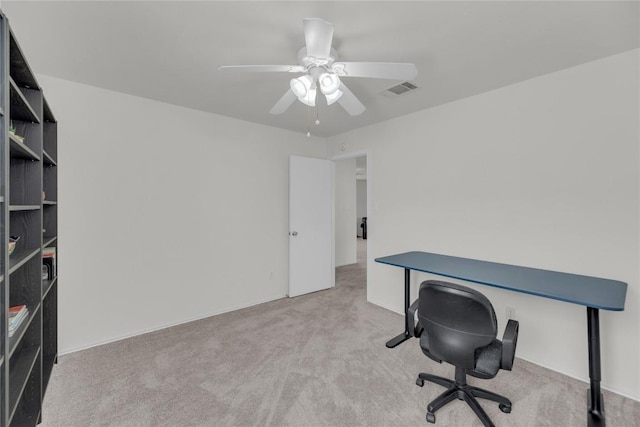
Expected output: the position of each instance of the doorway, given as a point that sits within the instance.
(351, 206)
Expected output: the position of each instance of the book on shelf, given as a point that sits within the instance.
(49, 259)
(13, 311)
(49, 251)
(17, 314)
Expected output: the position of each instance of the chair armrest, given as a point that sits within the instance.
(415, 328)
(509, 342)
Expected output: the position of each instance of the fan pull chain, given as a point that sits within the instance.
(308, 121)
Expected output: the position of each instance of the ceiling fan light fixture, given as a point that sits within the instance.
(300, 86)
(317, 61)
(333, 97)
(329, 83)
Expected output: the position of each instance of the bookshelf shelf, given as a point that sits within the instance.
(16, 339)
(20, 150)
(47, 285)
(14, 208)
(48, 240)
(28, 163)
(20, 370)
(20, 258)
(20, 107)
(48, 160)
(47, 113)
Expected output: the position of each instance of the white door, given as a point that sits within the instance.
(311, 259)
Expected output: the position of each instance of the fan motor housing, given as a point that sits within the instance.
(310, 61)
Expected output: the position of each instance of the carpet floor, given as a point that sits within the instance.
(314, 360)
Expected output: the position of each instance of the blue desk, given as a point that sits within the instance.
(592, 292)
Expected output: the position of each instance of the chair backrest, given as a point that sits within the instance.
(457, 319)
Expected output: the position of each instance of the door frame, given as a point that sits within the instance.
(353, 155)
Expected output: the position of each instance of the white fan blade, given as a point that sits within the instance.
(263, 68)
(285, 102)
(349, 102)
(376, 70)
(318, 35)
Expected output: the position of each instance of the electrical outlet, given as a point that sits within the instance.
(511, 313)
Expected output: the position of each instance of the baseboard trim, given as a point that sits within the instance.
(583, 380)
(401, 313)
(169, 325)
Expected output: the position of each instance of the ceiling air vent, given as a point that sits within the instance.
(399, 89)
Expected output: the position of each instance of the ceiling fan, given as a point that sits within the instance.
(317, 62)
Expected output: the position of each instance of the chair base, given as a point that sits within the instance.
(460, 390)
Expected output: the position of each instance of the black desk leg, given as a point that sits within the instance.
(405, 335)
(595, 402)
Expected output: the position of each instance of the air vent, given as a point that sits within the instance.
(399, 89)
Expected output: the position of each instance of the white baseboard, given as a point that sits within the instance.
(169, 325)
(583, 380)
(346, 263)
(401, 313)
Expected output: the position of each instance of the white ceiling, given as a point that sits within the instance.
(170, 50)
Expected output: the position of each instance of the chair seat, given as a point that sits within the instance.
(488, 359)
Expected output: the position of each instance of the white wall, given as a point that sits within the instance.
(345, 212)
(543, 173)
(163, 208)
(166, 214)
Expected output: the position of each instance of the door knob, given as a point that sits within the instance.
(294, 233)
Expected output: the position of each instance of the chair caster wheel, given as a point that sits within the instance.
(420, 382)
(505, 408)
(431, 418)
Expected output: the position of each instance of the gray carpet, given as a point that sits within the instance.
(315, 360)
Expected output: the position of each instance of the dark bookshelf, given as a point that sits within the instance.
(28, 209)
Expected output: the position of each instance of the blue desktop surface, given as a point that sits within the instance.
(589, 291)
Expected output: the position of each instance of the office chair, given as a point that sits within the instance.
(458, 325)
